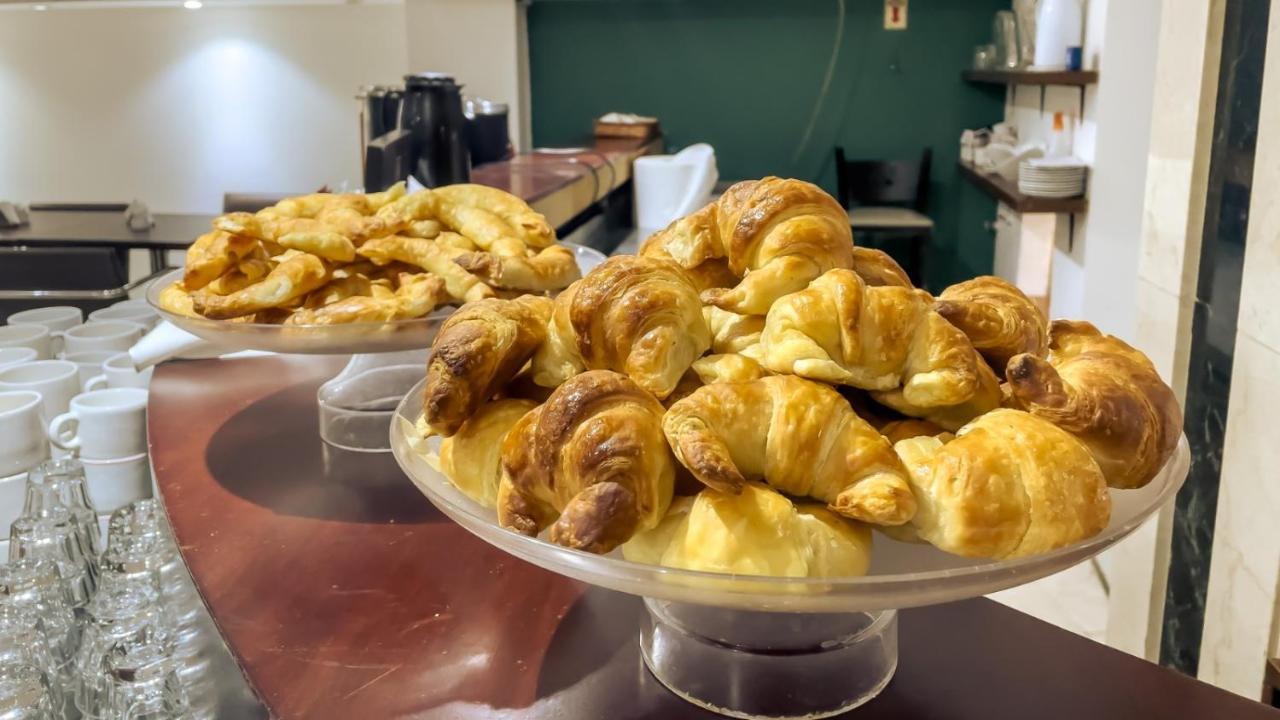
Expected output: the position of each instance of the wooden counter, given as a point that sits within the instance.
(343, 593)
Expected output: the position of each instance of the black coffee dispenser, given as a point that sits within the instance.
(430, 142)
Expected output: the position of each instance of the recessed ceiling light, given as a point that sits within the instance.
(40, 8)
(192, 4)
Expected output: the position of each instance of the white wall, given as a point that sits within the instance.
(177, 107)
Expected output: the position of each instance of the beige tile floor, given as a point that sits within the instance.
(1073, 599)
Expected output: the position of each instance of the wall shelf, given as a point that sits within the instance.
(1007, 193)
(1030, 77)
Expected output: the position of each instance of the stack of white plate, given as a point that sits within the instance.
(1059, 177)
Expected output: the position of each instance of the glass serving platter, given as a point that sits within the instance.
(829, 643)
(341, 339)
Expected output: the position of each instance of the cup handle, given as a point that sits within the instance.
(58, 425)
(97, 382)
(57, 342)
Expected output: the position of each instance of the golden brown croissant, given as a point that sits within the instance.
(713, 273)
(591, 462)
(553, 268)
(477, 350)
(289, 281)
(1010, 485)
(755, 532)
(472, 457)
(776, 234)
(912, 428)
(727, 367)
(800, 437)
(731, 332)
(986, 398)
(997, 317)
(1107, 394)
(633, 315)
(839, 330)
(878, 269)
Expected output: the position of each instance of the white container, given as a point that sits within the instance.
(143, 315)
(103, 424)
(58, 318)
(118, 482)
(22, 441)
(118, 335)
(16, 356)
(118, 372)
(36, 337)
(57, 381)
(1059, 25)
(89, 363)
(668, 187)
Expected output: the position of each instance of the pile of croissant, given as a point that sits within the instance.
(332, 258)
(752, 394)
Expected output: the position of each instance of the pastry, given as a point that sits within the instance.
(476, 352)
(291, 280)
(211, 255)
(713, 273)
(552, 268)
(590, 462)
(472, 457)
(727, 367)
(731, 332)
(529, 225)
(633, 315)
(430, 256)
(987, 397)
(800, 437)
(1107, 394)
(776, 234)
(878, 269)
(913, 427)
(755, 532)
(839, 330)
(997, 317)
(1008, 486)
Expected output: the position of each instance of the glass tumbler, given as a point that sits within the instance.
(53, 537)
(24, 694)
(62, 482)
(142, 683)
(120, 618)
(35, 586)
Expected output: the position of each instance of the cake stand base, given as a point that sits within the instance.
(357, 404)
(749, 664)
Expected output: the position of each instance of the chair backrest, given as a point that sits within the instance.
(249, 202)
(884, 182)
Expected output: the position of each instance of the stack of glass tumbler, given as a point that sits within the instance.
(92, 631)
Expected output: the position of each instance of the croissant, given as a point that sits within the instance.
(776, 234)
(727, 367)
(800, 437)
(1009, 485)
(551, 269)
(755, 532)
(472, 457)
(912, 428)
(1107, 394)
(289, 281)
(713, 273)
(477, 350)
(950, 417)
(839, 330)
(997, 317)
(633, 315)
(878, 269)
(591, 463)
(731, 332)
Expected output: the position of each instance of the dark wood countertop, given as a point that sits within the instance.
(343, 593)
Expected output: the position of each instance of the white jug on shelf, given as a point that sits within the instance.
(1059, 25)
(668, 187)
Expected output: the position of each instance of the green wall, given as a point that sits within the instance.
(746, 76)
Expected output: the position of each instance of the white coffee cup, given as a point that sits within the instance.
(36, 337)
(118, 482)
(57, 381)
(118, 335)
(22, 438)
(89, 363)
(118, 372)
(16, 356)
(13, 496)
(58, 318)
(143, 315)
(103, 424)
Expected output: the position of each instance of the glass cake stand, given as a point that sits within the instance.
(387, 358)
(781, 647)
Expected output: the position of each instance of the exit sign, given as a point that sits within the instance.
(895, 14)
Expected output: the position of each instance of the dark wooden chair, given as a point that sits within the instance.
(888, 199)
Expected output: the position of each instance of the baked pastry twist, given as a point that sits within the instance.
(776, 234)
(590, 462)
(633, 315)
(800, 437)
(755, 532)
(1009, 485)
(472, 457)
(553, 268)
(997, 317)
(476, 352)
(839, 330)
(289, 281)
(1107, 394)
